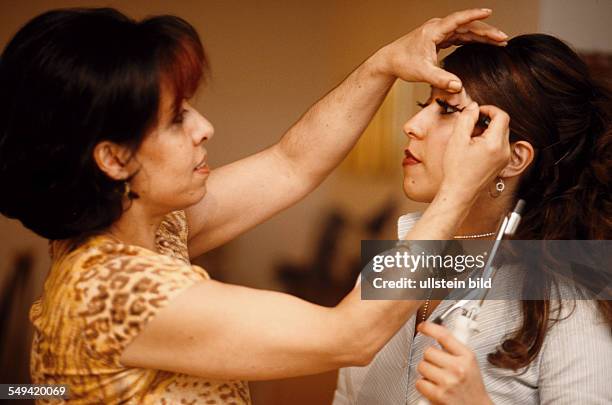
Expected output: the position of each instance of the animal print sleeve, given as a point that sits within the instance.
(122, 291)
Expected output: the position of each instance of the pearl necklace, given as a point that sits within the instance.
(424, 314)
(478, 235)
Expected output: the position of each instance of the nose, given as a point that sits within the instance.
(203, 130)
(414, 128)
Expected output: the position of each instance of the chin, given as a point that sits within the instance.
(199, 195)
(417, 192)
(191, 198)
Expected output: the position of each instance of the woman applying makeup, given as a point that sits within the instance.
(533, 351)
(102, 153)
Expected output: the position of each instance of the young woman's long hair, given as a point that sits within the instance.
(555, 105)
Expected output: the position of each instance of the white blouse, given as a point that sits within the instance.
(574, 365)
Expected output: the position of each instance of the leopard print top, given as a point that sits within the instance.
(96, 299)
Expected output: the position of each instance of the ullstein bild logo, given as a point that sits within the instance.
(405, 282)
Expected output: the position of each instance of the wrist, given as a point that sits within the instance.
(379, 64)
(455, 202)
(457, 194)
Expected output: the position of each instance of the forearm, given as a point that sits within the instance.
(368, 325)
(281, 175)
(282, 335)
(324, 135)
(376, 321)
(328, 130)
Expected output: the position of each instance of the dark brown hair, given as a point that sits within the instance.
(555, 105)
(70, 79)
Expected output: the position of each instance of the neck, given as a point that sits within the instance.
(136, 227)
(485, 216)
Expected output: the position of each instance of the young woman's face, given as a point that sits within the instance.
(172, 159)
(428, 132)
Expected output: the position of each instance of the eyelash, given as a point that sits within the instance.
(446, 107)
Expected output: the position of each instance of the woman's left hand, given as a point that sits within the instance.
(452, 375)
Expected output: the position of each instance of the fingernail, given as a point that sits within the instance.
(488, 10)
(454, 85)
(502, 33)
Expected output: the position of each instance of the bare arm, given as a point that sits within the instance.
(222, 331)
(247, 192)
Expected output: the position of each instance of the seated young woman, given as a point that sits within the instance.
(532, 351)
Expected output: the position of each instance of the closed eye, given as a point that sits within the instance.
(448, 108)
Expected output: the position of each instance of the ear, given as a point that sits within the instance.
(520, 158)
(113, 159)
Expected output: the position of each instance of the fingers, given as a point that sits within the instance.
(475, 31)
(459, 27)
(439, 357)
(451, 30)
(468, 37)
(464, 126)
(433, 373)
(453, 21)
(496, 114)
(484, 30)
(428, 389)
(499, 127)
(444, 337)
(442, 79)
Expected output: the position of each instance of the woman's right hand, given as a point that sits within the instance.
(471, 162)
(414, 57)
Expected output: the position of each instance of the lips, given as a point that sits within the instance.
(410, 159)
(202, 166)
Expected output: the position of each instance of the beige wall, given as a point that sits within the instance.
(585, 24)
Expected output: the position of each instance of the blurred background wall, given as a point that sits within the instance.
(270, 61)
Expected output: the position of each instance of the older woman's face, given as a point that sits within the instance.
(172, 160)
(428, 132)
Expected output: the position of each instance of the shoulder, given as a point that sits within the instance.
(578, 334)
(101, 294)
(578, 318)
(576, 356)
(103, 263)
(117, 265)
(121, 288)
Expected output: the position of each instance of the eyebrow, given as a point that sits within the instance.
(444, 96)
